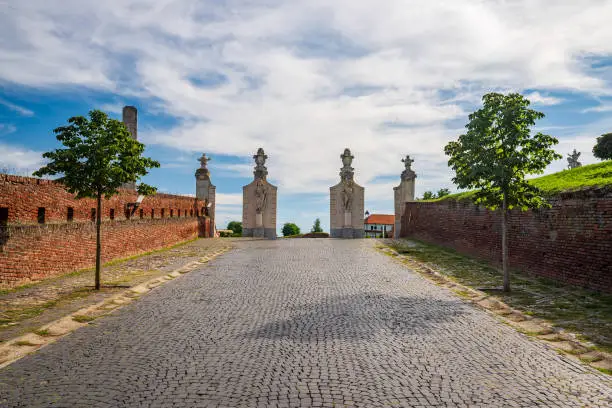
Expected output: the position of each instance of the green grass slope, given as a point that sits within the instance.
(593, 175)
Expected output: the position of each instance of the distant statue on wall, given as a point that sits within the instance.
(572, 160)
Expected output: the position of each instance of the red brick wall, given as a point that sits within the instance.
(570, 242)
(29, 250)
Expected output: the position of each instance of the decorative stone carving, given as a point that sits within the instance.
(206, 191)
(346, 202)
(261, 193)
(259, 202)
(403, 193)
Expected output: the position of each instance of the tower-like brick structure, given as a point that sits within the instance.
(130, 120)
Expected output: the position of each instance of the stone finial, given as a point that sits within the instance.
(408, 174)
(261, 172)
(203, 172)
(346, 171)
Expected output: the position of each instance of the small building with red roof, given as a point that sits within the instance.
(379, 225)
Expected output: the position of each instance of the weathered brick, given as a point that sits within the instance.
(29, 250)
(570, 242)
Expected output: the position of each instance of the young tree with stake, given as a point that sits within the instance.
(496, 153)
(98, 157)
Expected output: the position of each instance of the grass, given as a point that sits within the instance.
(42, 332)
(12, 316)
(578, 310)
(24, 343)
(82, 318)
(593, 175)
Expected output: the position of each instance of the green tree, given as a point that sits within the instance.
(442, 192)
(98, 157)
(428, 195)
(235, 226)
(290, 228)
(496, 153)
(316, 227)
(603, 148)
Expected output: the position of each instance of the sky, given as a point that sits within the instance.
(303, 79)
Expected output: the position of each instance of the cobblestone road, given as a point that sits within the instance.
(300, 323)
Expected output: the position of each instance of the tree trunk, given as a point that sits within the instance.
(98, 244)
(504, 218)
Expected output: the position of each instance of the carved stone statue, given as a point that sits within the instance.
(261, 196)
(204, 161)
(347, 196)
(408, 174)
(572, 160)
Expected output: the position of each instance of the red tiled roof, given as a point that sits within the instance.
(380, 219)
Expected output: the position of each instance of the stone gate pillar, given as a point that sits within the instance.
(259, 202)
(206, 192)
(346, 202)
(403, 193)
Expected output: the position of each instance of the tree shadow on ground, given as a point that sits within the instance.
(361, 317)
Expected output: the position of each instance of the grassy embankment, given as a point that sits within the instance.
(593, 175)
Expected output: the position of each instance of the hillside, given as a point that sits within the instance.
(593, 175)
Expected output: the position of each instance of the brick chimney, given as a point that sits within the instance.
(130, 119)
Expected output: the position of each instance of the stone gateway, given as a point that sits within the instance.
(259, 202)
(346, 203)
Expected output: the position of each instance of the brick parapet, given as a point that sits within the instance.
(31, 250)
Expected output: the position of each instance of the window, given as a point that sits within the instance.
(163, 211)
(70, 214)
(3, 216)
(93, 214)
(191, 213)
(112, 213)
(171, 213)
(141, 213)
(179, 213)
(152, 212)
(41, 215)
(128, 213)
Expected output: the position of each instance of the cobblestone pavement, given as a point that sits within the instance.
(302, 322)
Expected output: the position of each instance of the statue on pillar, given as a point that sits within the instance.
(408, 174)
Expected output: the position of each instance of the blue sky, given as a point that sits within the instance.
(303, 79)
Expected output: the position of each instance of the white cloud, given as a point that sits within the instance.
(307, 78)
(539, 99)
(19, 109)
(224, 199)
(16, 159)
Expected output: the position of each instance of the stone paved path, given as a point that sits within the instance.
(300, 323)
